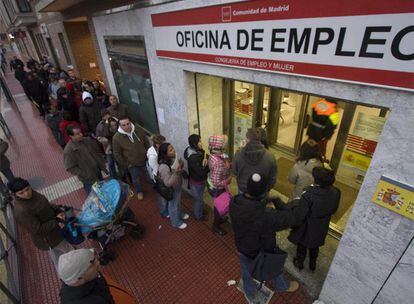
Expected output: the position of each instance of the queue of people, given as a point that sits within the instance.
(100, 139)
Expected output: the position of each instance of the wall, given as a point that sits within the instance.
(54, 28)
(374, 238)
(80, 40)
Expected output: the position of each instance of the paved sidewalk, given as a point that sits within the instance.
(166, 266)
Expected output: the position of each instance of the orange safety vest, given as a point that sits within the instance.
(120, 294)
(326, 108)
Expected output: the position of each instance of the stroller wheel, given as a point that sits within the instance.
(137, 232)
(105, 257)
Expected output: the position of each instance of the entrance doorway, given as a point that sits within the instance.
(231, 107)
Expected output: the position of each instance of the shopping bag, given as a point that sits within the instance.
(222, 203)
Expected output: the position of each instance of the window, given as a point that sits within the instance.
(65, 49)
(24, 6)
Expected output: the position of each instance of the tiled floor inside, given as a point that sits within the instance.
(166, 266)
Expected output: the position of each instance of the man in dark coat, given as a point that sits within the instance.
(316, 205)
(39, 217)
(89, 112)
(83, 158)
(118, 109)
(254, 158)
(66, 102)
(36, 93)
(255, 227)
(15, 63)
(84, 284)
(53, 119)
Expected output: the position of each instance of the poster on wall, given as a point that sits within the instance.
(242, 122)
(354, 41)
(395, 196)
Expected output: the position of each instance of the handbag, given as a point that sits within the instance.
(267, 265)
(222, 202)
(166, 192)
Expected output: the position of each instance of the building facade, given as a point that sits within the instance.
(180, 93)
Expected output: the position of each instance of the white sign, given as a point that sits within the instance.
(355, 41)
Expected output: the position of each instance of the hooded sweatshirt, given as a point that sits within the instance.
(217, 162)
(89, 114)
(254, 158)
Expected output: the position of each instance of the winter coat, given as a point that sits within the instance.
(53, 88)
(102, 290)
(219, 174)
(196, 170)
(90, 116)
(254, 158)
(38, 217)
(316, 207)
(92, 292)
(20, 75)
(255, 225)
(4, 161)
(301, 175)
(84, 159)
(127, 152)
(53, 122)
(67, 104)
(170, 177)
(35, 90)
(119, 110)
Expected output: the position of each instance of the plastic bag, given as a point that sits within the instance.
(100, 205)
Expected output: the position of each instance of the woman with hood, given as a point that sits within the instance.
(301, 173)
(198, 170)
(219, 177)
(171, 178)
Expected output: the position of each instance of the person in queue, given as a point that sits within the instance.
(197, 171)
(171, 177)
(83, 283)
(89, 113)
(117, 109)
(255, 226)
(219, 176)
(39, 218)
(105, 130)
(83, 158)
(130, 145)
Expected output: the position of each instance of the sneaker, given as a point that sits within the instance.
(294, 285)
(219, 231)
(185, 216)
(182, 226)
(140, 196)
(165, 216)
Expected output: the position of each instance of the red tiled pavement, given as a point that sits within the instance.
(166, 266)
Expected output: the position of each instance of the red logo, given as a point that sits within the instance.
(226, 14)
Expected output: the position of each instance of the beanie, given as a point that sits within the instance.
(18, 184)
(256, 185)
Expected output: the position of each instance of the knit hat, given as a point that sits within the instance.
(86, 95)
(72, 265)
(256, 185)
(217, 142)
(18, 184)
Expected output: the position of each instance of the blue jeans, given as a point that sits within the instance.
(172, 208)
(162, 205)
(249, 287)
(197, 191)
(111, 165)
(135, 171)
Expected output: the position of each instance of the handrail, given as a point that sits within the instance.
(9, 254)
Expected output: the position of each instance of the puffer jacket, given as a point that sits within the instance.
(316, 205)
(301, 175)
(254, 158)
(218, 164)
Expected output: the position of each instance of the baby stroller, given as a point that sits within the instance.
(106, 217)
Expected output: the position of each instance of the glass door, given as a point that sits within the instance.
(132, 79)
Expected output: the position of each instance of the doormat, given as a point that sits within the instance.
(263, 296)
